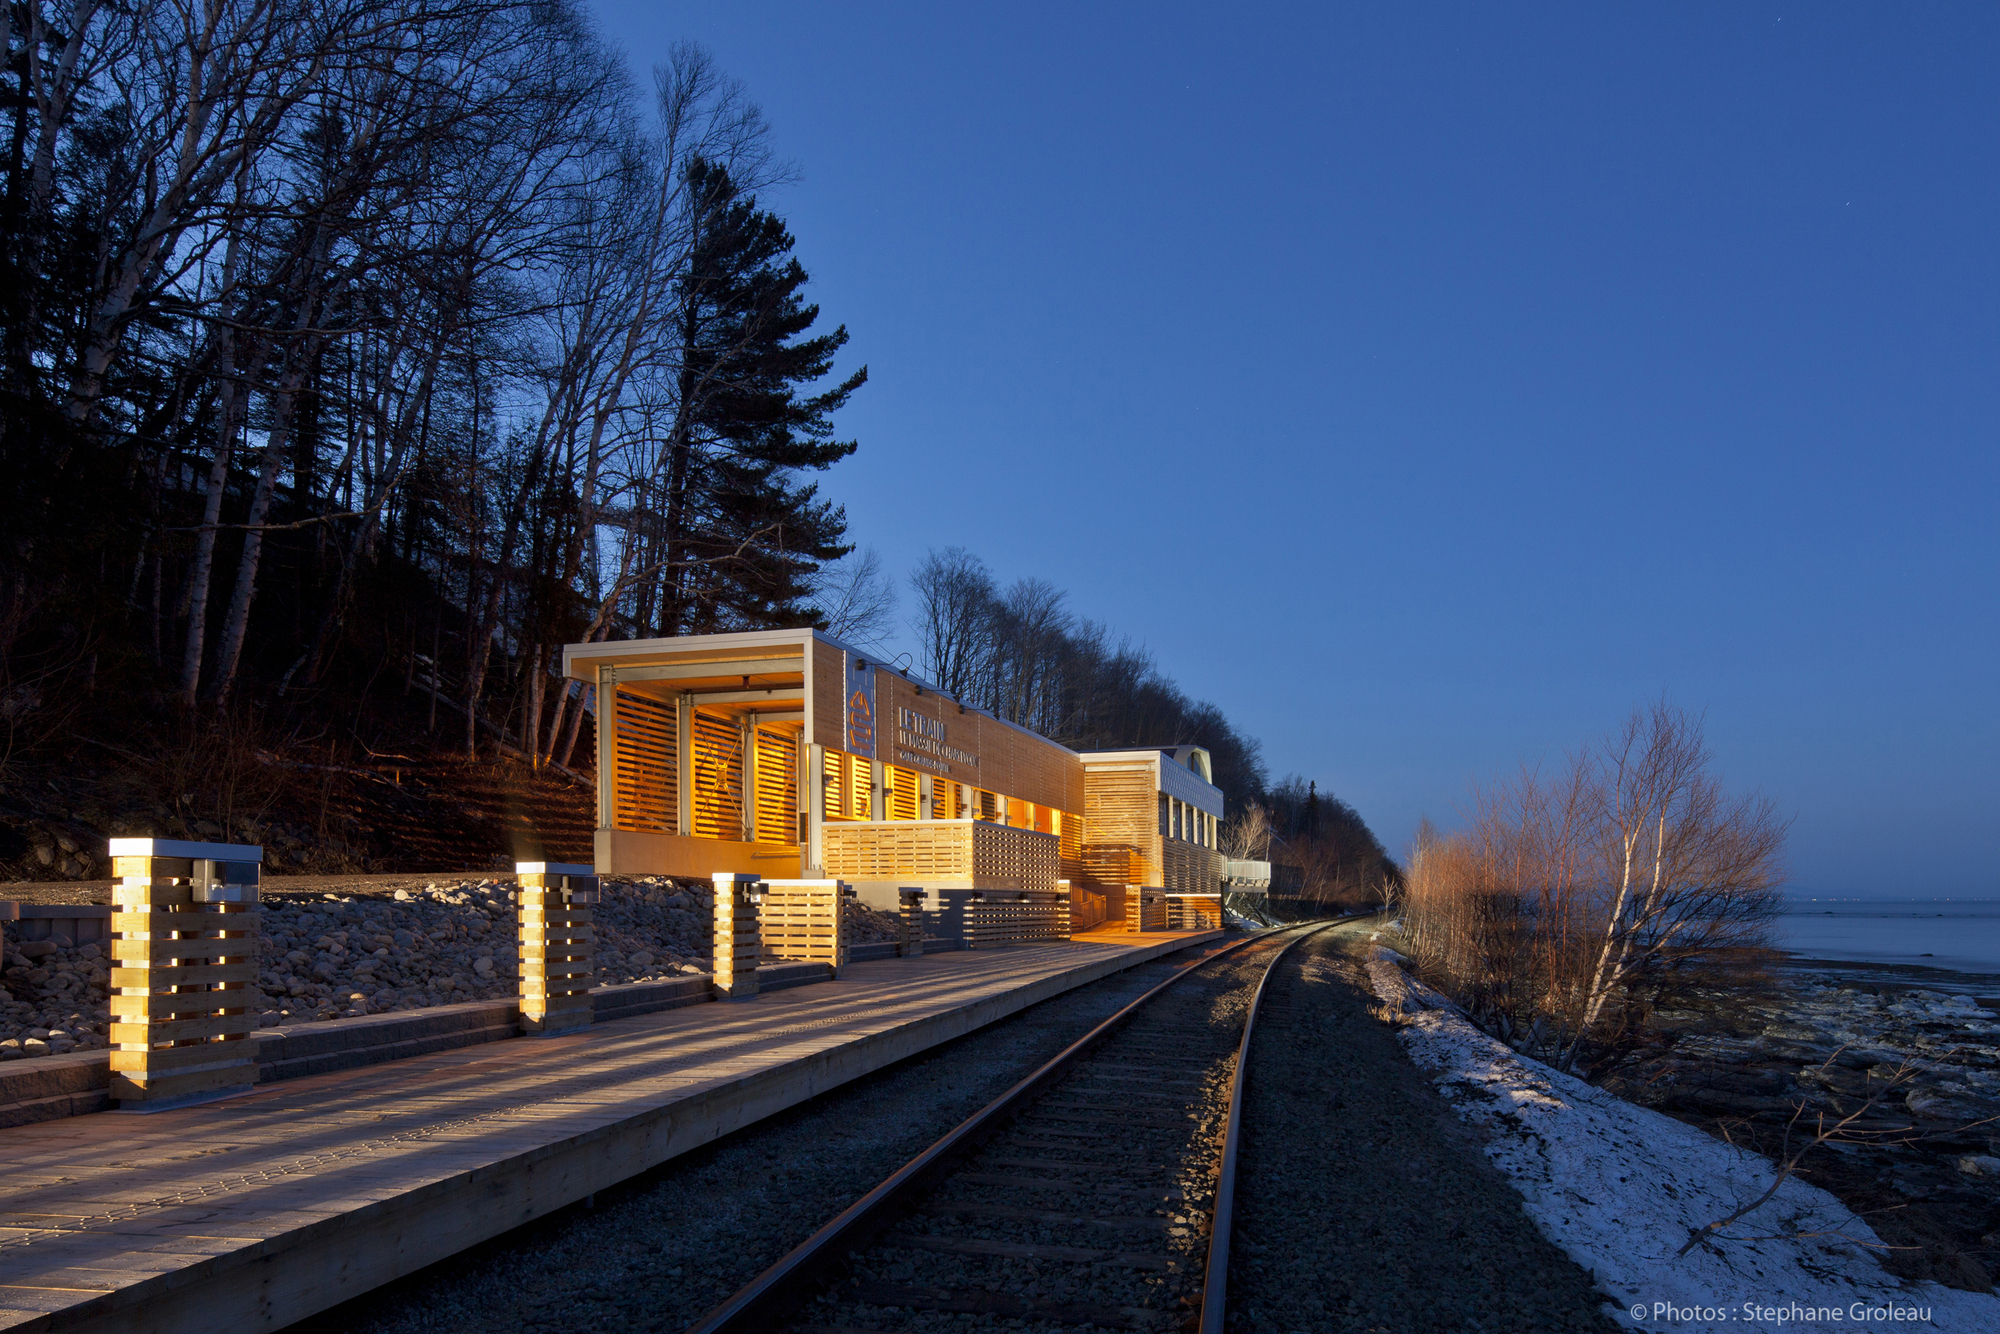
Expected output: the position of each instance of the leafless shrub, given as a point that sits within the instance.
(1573, 901)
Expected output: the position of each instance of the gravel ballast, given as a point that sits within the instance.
(659, 1251)
(1362, 1202)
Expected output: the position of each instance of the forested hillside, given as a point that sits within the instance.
(353, 358)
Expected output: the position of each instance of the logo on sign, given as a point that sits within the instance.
(860, 708)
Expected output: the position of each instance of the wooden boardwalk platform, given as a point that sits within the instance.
(257, 1211)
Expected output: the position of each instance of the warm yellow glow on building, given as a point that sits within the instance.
(788, 754)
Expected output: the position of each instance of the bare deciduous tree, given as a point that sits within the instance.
(1576, 899)
(857, 599)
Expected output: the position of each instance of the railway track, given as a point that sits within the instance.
(1096, 1193)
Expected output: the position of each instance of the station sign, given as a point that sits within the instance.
(861, 727)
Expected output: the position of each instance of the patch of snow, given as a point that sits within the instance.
(1620, 1187)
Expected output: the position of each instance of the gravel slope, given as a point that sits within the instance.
(1361, 1201)
(336, 956)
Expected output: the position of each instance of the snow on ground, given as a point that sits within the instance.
(1619, 1187)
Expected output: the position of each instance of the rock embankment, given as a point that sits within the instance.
(340, 956)
(1922, 1067)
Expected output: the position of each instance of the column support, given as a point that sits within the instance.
(607, 747)
(910, 908)
(556, 938)
(737, 941)
(184, 991)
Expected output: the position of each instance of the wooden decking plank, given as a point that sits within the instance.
(315, 1162)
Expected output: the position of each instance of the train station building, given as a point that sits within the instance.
(789, 754)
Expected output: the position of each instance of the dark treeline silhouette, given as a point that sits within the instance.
(1331, 855)
(1020, 655)
(357, 352)
(354, 356)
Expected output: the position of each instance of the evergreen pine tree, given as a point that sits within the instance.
(747, 425)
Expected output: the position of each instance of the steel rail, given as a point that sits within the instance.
(1215, 1279)
(768, 1301)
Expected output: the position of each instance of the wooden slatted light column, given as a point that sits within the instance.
(910, 908)
(184, 971)
(737, 947)
(557, 968)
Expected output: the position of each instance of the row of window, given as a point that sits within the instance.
(1182, 821)
(849, 788)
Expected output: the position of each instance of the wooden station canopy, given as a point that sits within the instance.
(788, 753)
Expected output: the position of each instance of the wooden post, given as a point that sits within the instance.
(184, 971)
(555, 932)
(910, 904)
(736, 937)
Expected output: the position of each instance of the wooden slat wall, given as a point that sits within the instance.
(1071, 850)
(1201, 912)
(718, 777)
(646, 778)
(849, 781)
(1189, 868)
(917, 850)
(1016, 919)
(777, 785)
(903, 792)
(806, 920)
(1006, 858)
(1121, 844)
(860, 788)
(991, 856)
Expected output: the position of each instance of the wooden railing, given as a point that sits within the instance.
(1194, 912)
(808, 920)
(977, 853)
(1002, 918)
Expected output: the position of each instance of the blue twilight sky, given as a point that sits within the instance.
(1427, 384)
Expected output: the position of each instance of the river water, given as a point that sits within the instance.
(1957, 934)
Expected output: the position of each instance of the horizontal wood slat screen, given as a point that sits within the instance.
(646, 775)
(1145, 908)
(919, 850)
(1015, 920)
(990, 856)
(1121, 844)
(903, 792)
(860, 788)
(1189, 868)
(1194, 912)
(810, 920)
(777, 786)
(1071, 848)
(718, 777)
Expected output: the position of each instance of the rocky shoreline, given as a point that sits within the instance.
(336, 956)
(1922, 1063)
